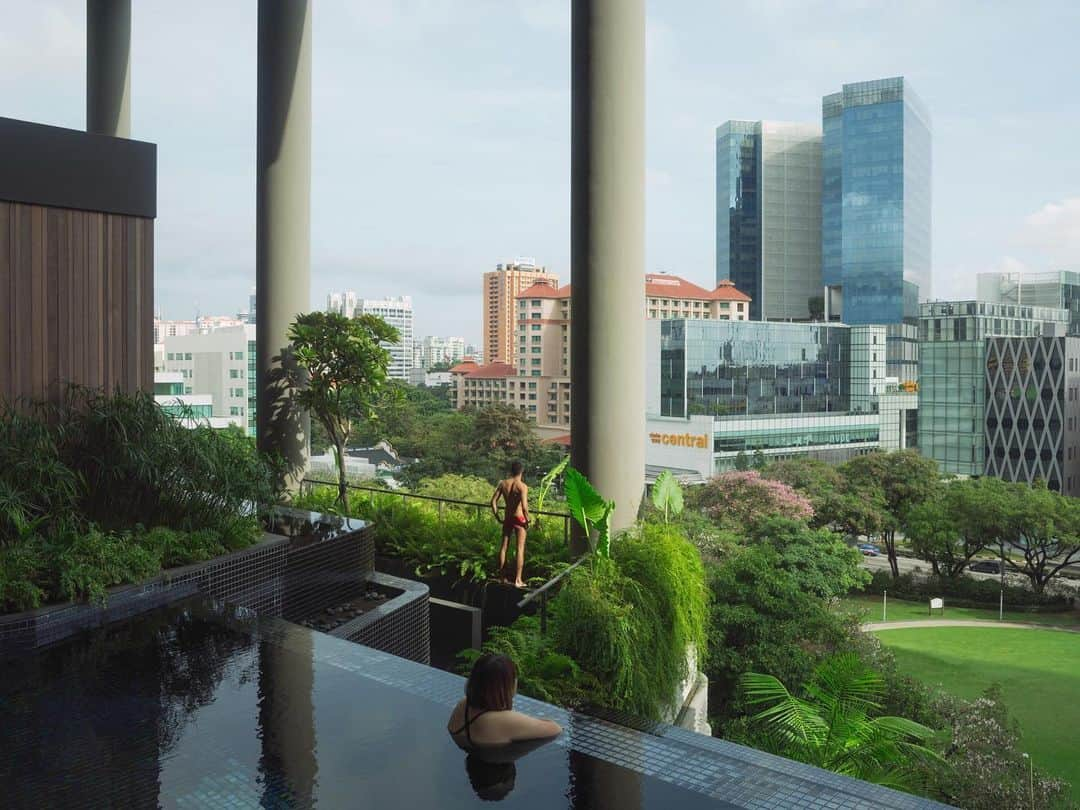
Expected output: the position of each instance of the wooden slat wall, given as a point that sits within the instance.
(76, 301)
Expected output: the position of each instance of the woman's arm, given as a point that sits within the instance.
(522, 727)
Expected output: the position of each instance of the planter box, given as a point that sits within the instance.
(496, 600)
(278, 576)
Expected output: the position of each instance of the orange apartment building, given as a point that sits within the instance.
(501, 289)
(538, 382)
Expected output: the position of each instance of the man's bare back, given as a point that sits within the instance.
(515, 520)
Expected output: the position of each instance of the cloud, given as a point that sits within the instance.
(1011, 264)
(1055, 230)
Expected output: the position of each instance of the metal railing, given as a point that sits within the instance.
(440, 501)
(541, 593)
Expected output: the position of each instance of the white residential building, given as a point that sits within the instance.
(433, 350)
(221, 364)
(397, 312)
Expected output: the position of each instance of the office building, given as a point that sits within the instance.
(1032, 422)
(952, 387)
(875, 203)
(218, 364)
(499, 313)
(768, 216)
(1059, 289)
(717, 389)
(540, 382)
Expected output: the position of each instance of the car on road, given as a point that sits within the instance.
(869, 549)
(986, 567)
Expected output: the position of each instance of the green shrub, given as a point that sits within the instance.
(21, 567)
(80, 479)
(142, 467)
(459, 541)
(457, 487)
(630, 620)
(89, 561)
(964, 591)
(543, 672)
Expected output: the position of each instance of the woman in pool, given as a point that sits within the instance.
(485, 719)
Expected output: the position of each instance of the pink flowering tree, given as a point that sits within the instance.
(738, 499)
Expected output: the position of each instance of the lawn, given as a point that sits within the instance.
(869, 607)
(1038, 670)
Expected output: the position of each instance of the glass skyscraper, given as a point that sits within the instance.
(875, 209)
(744, 368)
(768, 216)
(952, 385)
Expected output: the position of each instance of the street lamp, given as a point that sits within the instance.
(1001, 594)
(1031, 780)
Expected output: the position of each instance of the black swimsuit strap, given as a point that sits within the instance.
(468, 722)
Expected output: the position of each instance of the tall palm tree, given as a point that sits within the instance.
(831, 725)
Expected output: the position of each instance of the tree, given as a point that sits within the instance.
(898, 480)
(818, 481)
(734, 500)
(823, 563)
(832, 724)
(984, 767)
(961, 519)
(742, 461)
(757, 461)
(402, 415)
(1044, 528)
(764, 619)
(503, 434)
(340, 368)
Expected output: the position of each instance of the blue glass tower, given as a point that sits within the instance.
(738, 208)
(875, 209)
(768, 216)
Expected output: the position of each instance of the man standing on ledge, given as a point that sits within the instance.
(515, 521)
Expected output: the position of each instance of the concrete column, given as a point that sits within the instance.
(108, 67)
(607, 246)
(282, 218)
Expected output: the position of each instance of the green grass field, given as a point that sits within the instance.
(1038, 670)
(869, 608)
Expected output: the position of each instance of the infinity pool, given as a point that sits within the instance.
(202, 706)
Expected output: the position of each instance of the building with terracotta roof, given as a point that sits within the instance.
(538, 382)
(501, 287)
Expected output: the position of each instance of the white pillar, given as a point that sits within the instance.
(283, 216)
(607, 235)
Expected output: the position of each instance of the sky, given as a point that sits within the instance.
(441, 131)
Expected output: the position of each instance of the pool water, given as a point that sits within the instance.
(199, 705)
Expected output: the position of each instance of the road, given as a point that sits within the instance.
(908, 566)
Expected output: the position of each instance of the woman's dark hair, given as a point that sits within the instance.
(516, 468)
(492, 683)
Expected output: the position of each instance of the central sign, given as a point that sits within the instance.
(679, 439)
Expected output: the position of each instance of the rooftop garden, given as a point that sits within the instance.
(102, 490)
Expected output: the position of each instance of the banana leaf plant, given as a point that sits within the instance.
(591, 511)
